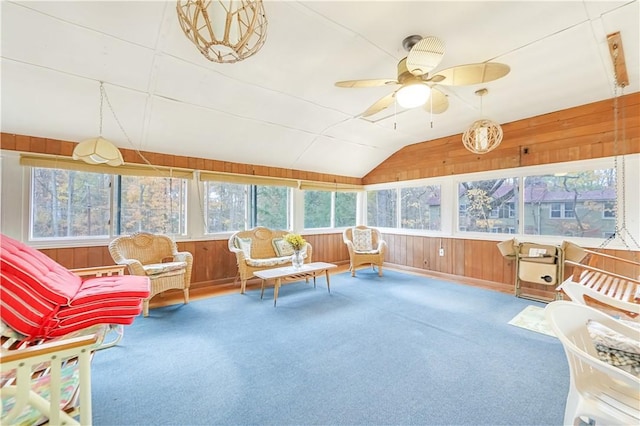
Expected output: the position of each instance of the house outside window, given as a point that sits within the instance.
(487, 205)
(571, 204)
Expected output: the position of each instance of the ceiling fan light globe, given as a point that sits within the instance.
(413, 95)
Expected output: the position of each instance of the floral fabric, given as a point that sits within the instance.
(161, 268)
(282, 247)
(362, 240)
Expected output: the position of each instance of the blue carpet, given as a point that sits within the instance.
(396, 350)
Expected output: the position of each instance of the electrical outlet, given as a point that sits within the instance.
(441, 251)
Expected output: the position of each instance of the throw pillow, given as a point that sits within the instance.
(282, 247)
(244, 244)
(362, 240)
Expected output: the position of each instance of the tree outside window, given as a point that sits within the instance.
(420, 207)
(225, 206)
(490, 205)
(67, 203)
(381, 208)
(152, 204)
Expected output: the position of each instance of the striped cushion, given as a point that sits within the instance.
(23, 309)
(42, 274)
(41, 299)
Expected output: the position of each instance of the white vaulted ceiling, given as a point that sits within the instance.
(280, 107)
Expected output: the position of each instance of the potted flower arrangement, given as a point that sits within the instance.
(297, 242)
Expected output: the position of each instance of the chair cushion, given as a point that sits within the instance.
(362, 240)
(244, 244)
(39, 272)
(116, 287)
(282, 247)
(161, 268)
(270, 261)
(614, 348)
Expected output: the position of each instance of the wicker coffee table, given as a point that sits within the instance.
(290, 274)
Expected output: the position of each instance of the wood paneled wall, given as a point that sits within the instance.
(579, 133)
(470, 261)
(213, 263)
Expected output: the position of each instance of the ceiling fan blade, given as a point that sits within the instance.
(379, 105)
(438, 103)
(366, 83)
(425, 55)
(472, 73)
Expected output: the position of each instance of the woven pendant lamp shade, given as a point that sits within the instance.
(483, 136)
(224, 31)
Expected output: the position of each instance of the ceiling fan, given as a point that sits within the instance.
(418, 86)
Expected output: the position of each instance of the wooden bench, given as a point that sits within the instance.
(603, 279)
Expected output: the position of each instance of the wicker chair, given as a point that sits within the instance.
(155, 256)
(366, 248)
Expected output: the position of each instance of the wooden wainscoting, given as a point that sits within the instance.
(473, 262)
(213, 263)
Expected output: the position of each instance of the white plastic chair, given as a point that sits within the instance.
(598, 391)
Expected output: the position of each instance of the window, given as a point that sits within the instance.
(571, 204)
(325, 209)
(152, 204)
(317, 209)
(381, 208)
(67, 203)
(420, 207)
(562, 210)
(345, 209)
(609, 210)
(225, 206)
(490, 205)
(70, 203)
(269, 206)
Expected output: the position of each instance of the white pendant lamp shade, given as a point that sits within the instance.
(98, 151)
(413, 95)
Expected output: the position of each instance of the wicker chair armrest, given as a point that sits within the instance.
(240, 256)
(135, 266)
(183, 256)
(309, 250)
(382, 246)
